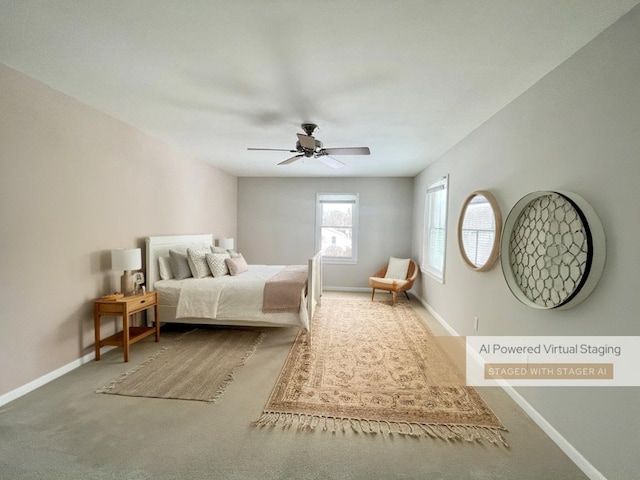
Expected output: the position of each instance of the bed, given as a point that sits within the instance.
(230, 299)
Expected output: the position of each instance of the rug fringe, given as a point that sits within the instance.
(469, 433)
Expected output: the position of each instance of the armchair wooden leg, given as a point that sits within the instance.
(408, 298)
(394, 298)
(373, 292)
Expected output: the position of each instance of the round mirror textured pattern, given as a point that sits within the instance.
(553, 249)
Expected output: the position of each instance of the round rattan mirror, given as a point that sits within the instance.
(479, 229)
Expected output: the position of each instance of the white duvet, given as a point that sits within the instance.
(227, 297)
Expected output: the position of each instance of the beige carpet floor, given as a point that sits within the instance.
(64, 430)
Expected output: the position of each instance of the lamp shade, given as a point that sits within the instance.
(226, 243)
(126, 259)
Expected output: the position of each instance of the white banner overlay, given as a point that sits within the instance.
(553, 361)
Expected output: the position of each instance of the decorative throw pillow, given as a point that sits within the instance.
(165, 267)
(398, 268)
(198, 263)
(233, 253)
(217, 264)
(215, 249)
(179, 264)
(237, 265)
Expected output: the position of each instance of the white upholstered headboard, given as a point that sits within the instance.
(159, 246)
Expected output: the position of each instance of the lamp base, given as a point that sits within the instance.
(126, 283)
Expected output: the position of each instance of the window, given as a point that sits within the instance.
(337, 227)
(434, 240)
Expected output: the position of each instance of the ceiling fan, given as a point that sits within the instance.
(307, 146)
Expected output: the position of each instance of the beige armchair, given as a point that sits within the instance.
(393, 285)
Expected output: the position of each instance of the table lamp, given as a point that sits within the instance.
(126, 259)
(226, 243)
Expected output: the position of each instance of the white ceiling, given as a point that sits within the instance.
(409, 79)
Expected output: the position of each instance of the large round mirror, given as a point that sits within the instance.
(479, 229)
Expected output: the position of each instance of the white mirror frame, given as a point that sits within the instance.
(495, 248)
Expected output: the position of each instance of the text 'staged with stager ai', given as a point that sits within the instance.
(553, 361)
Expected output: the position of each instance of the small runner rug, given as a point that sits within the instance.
(375, 368)
(197, 366)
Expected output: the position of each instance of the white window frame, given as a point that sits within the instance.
(435, 219)
(351, 198)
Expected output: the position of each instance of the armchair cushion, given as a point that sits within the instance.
(397, 268)
(390, 284)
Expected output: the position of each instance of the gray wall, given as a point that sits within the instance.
(75, 183)
(276, 222)
(578, 129)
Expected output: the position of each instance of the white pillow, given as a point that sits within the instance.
(198, 263)
(398, 268)
(217, 264)
(165, 267)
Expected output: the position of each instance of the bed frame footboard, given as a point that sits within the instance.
(314, 285)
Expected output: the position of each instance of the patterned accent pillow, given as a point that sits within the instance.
(215, 249)
(237, 265)
(398, 268)
(179, 264)
(217, 264)
(198, 263)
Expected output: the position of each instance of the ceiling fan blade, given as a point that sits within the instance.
(332, 162)
(274, 149)
(346, 151)
(291, 160)
(307, 141)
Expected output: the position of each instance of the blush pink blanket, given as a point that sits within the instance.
(282, 292)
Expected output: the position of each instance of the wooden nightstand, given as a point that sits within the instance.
(125, 307)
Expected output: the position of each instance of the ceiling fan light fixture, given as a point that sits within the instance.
(307, 142)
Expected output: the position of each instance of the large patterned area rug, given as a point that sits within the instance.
(197, 366)
(375, 368)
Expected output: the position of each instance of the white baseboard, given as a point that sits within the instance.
(570, 451)
(346, 289)
(39, 382)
